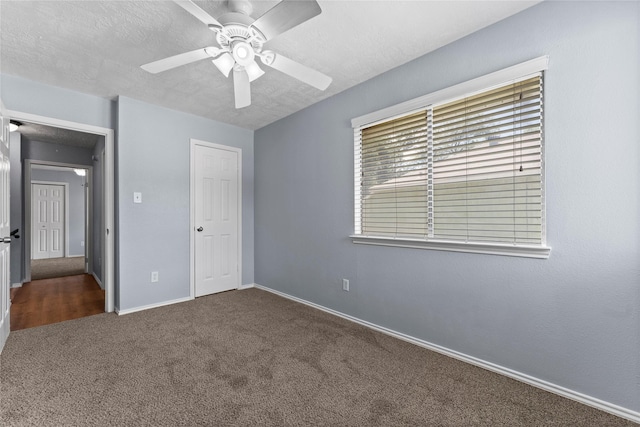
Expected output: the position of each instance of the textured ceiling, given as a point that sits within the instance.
(97, 47)
(50, 134)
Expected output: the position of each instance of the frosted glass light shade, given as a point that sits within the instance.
(254, 71)
(224, 63)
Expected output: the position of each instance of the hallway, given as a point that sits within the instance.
(46, 301)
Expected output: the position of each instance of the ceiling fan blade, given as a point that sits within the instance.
(175, 61)
(241, 88)
(298, 71)
(284, 16)
(200, 14)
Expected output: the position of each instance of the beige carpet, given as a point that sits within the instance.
(56, 267)
(250, 358)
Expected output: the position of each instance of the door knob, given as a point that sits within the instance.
(199, 229)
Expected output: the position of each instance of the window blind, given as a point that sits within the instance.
(487, 166)
(468, 170)
(394, 176)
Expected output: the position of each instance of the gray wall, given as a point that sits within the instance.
(44, 151)
(32, 97)
(571, 320)
(76, 204)
(153, 158)
(36, 150)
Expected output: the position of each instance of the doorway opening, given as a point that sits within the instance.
(61, 220)
(65, 216)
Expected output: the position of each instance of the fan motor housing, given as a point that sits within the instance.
(236, 18)
(230, 33)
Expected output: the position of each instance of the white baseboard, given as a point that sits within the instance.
(160, 304)
(98, 281)
(150, 306)
(519, 376)
(16, 285)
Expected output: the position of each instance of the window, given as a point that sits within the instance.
(461, 173)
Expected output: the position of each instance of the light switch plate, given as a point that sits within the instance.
(137, 197)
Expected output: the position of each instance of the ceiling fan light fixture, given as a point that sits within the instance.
(254, 71)
(224, 63)
(241, 39)
(267, 57)
(243, 53)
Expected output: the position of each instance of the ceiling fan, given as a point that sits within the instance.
(241, 38)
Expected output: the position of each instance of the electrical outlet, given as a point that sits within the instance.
(82, 243)
(154, 276)
(345, 285)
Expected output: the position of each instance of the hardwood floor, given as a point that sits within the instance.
(46, 301)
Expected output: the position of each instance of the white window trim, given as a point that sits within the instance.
(527, 251)
(468, 88)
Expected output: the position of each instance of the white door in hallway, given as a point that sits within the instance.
(216, 219)
(5, 238)
(48, 221)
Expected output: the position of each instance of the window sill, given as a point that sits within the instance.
(541, 252)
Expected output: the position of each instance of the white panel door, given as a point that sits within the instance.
(216, 220)
(5, 239)
(48, 221)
